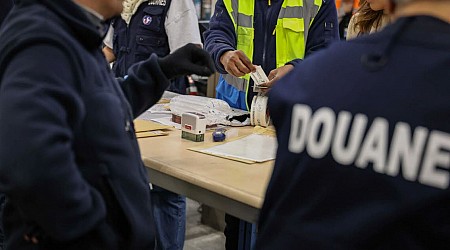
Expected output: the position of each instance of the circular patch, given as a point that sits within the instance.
(147, 20)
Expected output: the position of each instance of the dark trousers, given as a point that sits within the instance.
(2, 236)
(231, 232)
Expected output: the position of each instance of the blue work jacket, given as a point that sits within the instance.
(364, 152)
(221, 37)
(70, 162)
(4, 10)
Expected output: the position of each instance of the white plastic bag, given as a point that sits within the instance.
(216, 111)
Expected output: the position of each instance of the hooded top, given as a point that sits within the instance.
(71, 166)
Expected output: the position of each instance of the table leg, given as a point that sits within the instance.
(247, 235)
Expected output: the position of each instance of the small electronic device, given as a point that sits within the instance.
(219, 135)
(193, 126)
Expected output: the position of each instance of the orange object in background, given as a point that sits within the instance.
(355, 3)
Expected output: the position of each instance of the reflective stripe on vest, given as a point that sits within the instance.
(291, 31)
(241, 13)
(294, 21)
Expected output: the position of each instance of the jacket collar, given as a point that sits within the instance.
(129, 8)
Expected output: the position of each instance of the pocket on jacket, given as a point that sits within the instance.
(153, 18)
(146, 45)
(294, 31)
(101, 237)
(291, 37)
(328, 31)
(245, 38)
(115, 215)
(98, 177)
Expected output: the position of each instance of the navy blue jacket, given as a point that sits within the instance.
(221, 36)
(143, 36)
(6, 7)
(363, 151)
(70, 163)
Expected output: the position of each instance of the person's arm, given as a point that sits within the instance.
(144, 84)
(181, 25)
(108, 48)
(147, 80)
(220, 42)
(109, 54)
(275, 75)
(324, 29)
(39, 109)
(221, 36)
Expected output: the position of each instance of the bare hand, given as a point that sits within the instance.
(236, 63)
(275, 75)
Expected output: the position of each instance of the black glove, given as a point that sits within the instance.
(189, 59)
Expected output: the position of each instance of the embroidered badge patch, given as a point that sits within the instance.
(147, 20)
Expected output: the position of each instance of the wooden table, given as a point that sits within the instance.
(234, 187)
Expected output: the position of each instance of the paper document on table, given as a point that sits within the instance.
(249, 149)
(167, 121)
(144, 126)
(151, 134)
(158, 108)
(146, 129)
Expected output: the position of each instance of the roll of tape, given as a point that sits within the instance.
(252, 111)
(259, 115)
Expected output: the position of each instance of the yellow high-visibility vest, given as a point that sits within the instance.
(291, 31)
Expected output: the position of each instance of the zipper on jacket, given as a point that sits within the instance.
(267, 18)
(124, 67)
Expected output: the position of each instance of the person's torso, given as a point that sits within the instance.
(145, 34)
(4, 10)
(265, 20)
(104, 143)
(271, 25)
(364, 148)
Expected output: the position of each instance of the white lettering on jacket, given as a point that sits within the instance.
(417, 155)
